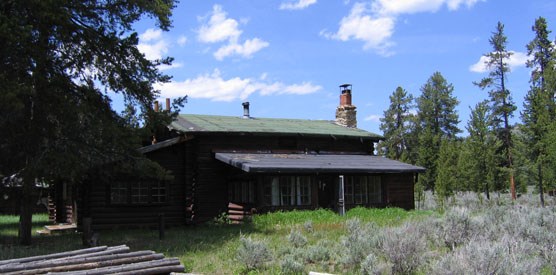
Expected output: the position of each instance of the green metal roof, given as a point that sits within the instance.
(228, 124)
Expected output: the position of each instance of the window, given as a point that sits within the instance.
(158, 192)
(287, 190)
(362, 190)
(138, 192)
(375, 190)
(241, 191)
(118, 192)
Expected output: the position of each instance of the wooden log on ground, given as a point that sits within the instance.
(90, 265)
(109, 251)
(75, 261)
(154, 270)
(125, 268)
(55, 255)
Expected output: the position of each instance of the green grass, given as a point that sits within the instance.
(211, 248)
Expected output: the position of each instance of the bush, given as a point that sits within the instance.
(297, 239)
(253, 254)
(360, 241)
(371, 266)
(456, 227)
(290, 266)
(318, 253)
(405, 248)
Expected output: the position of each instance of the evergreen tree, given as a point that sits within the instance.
(466, 172)
(59, 61)
(502, 104)
(447, 164)
(436, 119)
(539, 108)
(483, 146)
(395, 125)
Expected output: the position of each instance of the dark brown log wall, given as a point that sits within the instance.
(209, 176)
(400, 190)
(107, 216)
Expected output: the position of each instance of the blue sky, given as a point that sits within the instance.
(288, 57)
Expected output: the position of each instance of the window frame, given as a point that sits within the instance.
(288, 190)
(242, 191)
(146, 192)
(363, 190)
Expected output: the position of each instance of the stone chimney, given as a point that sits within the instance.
(345, 113)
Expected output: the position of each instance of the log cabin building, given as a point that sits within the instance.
(262, 164)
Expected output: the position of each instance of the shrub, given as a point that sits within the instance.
(405, 247)
(253, 254)
(297, 239)
(308, 225)
(318, 253)
(360, 241)
(456, 227)
(290, 266)
(372, 265)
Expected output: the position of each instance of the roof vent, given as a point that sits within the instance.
(246, 110)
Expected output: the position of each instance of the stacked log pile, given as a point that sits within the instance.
(238, 213)
(96, 260)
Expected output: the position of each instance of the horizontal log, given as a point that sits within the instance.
(155, 270)
(124, 268)
(55, 255)
(89, 265)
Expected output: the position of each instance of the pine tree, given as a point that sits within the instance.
(58, 63)
(501, 101)
(395, 125)
(484, 147)
(436, 119)
(447, 180)
(539, 108)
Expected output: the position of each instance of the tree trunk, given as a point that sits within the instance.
(25, 214)
(541, 189)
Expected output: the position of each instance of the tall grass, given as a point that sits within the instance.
(469, 235)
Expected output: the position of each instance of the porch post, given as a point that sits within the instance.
(341, 206)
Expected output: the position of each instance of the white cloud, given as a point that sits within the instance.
(219, 28)
(155, 50)
(299, 5)
(373, 118)
(152, 44)
(374, 22)
(182, 40)
(396, 7)
(247, 49)
(154, 47)
(214, 87)
(517, 59)
(164, 67)
(361, 25)
(151, 34)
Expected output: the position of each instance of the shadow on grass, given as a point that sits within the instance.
(177, 241)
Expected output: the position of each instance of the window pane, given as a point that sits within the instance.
(286, 191)
(348, 189)
(304, 190)
(275, 191)
(159, 192)
(139, 192)
(118, 192)
(375, 190)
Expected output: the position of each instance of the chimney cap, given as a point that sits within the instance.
(345, 85)
(246, 110)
